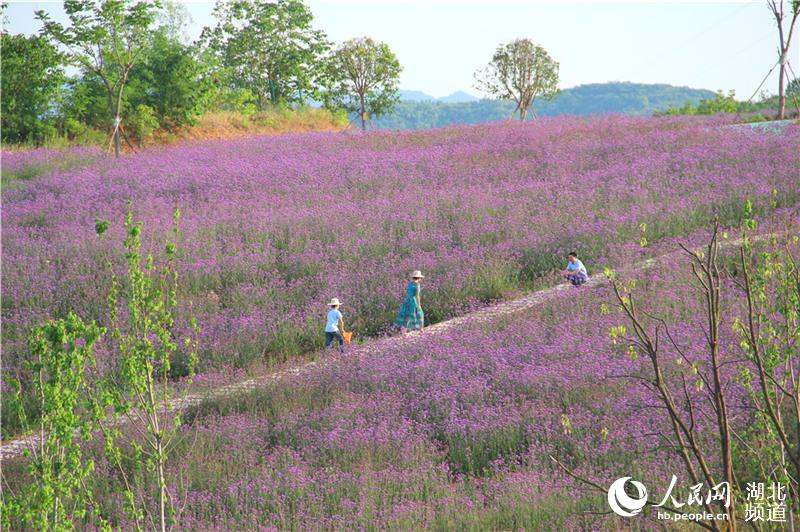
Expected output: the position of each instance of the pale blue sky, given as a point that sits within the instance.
(441, 43)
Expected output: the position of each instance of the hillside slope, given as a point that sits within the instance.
(596, 98)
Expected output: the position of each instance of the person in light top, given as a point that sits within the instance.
(334, 325)
(576, 272)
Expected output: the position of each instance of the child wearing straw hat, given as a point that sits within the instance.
(411, 316)
(334, 325)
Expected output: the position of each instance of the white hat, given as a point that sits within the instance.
(417, 274)
(333, 302)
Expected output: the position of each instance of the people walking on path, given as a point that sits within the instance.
(576, 272)
(334, 325)
(411, 317)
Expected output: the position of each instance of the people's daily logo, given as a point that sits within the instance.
(622, 503)
(700, 502)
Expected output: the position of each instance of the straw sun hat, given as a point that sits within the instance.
(334, 302)
(416, 274)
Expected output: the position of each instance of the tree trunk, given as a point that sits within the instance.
(115, 119)
(117, 146)
(782, 88)
(118, 118)
(363, 113)
(714, 318)
(162, 485)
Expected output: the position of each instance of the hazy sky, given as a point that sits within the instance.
(441, 43)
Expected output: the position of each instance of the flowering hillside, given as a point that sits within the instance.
(272, 228)
(453, 429)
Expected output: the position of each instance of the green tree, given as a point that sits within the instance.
(721, 103)
(171, 81)
(269, 48)
(793, 89)
(32, 75)
(520, 71)
(769, 281)
(83, 108)
(148, 345)
(57, 496)
(106, 38)
(363, 76)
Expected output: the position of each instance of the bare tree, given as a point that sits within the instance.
(784, 43)
(765, 287)
(649, 334)
(520, 71)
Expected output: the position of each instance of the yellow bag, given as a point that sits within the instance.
(348, 337)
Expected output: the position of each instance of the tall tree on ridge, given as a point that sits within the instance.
(363, 77)
(106, 38)
(269, 48)
(520, 71)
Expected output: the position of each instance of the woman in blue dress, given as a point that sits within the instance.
(411, 316)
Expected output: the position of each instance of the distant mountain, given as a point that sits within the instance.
(459, 96)
(419, 96)
(414, 96)
(597, 98)
(620, 97)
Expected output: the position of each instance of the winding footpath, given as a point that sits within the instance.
(14, 448)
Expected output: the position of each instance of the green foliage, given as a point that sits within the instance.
(362, 76)
(720, 103)
(520, 71)
(167, 89)
(238, 100)
(72, 401)
(173, 82)
(473, 453)
(768, 335)
(106, 39)
(32, 77)
(147, 345)
(57, 497)
(85, 102)
(793, 89)
(268, 48)
(143, 122)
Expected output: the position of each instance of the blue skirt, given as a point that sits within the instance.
(410, 315)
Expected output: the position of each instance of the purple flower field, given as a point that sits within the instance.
(447, 431)
(27, 164)
(452, 431)
(272, 228)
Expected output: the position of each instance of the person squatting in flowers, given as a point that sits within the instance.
(576, 272)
